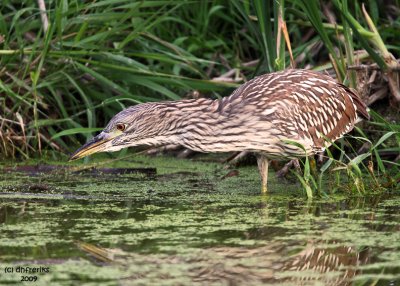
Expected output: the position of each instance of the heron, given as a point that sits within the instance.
(280, 115)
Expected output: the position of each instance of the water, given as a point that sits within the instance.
(186, 226)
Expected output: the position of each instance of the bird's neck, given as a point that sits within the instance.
(199, 124)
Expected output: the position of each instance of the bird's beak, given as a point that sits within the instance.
(96, 144)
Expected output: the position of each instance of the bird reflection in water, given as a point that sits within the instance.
(330, 263)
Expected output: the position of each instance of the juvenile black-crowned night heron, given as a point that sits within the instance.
(265, 115)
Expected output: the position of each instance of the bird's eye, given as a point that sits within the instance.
(120, 127)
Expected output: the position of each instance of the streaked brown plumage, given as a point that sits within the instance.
(263, 116)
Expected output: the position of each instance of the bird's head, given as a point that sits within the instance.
(134, 126)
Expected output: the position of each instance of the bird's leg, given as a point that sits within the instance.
(292, 163)
(236, 158)
(313, 167)
(262, 163)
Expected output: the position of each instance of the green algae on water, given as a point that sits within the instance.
(186, 225)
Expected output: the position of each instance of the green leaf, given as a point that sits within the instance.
(326, 165)
(305, 185)
(357, 160)
(383, 138)
(72, 131)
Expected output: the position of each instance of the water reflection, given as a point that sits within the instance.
(186, 235)
(242, 265)
(314, 261)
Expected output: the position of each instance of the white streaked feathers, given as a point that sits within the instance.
(261, 115)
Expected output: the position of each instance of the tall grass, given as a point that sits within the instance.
(96, 58)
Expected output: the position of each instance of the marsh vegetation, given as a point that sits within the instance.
(62, 81)
(190, 220)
